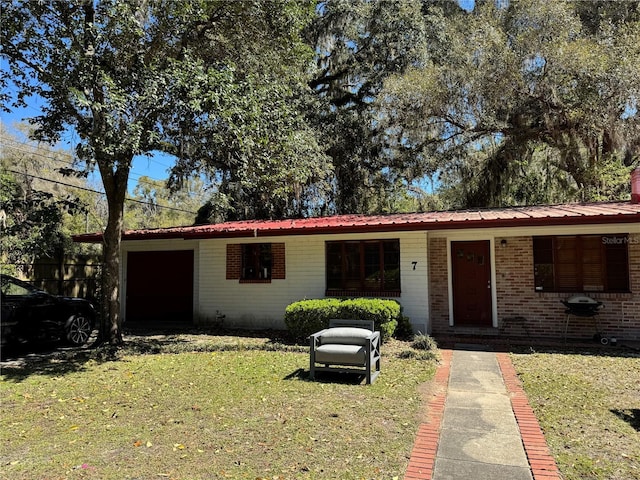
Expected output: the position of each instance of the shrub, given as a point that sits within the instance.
(423, 347)
(308, 316)
(424, 342)
(404, 330)
(427, 355)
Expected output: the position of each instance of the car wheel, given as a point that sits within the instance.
(79, 329)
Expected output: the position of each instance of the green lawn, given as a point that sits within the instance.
(588, 405)
(234, 410)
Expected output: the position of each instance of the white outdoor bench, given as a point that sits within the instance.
(350, 346)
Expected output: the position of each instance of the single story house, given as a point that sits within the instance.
(501, 271)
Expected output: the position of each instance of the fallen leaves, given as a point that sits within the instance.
(140, 443)
(204, 419)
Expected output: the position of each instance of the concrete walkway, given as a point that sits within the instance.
(479, 424)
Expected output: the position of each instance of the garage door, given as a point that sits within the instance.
(160, 286)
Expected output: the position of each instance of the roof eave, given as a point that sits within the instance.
(416, 226)
(375, 228)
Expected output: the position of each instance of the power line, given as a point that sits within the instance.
(30, 144)
(38, 154)
(99, 192)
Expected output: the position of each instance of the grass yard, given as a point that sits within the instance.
(588, 405)
(235, 408)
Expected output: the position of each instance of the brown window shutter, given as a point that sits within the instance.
(543, 264)
(567, 278)
(234, 261)
(617, 263)
(582, 263)
(593, 264)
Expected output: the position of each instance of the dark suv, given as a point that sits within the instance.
(29, 315)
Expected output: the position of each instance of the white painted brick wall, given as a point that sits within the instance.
(262, 305)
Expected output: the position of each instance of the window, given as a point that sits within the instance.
(12, 288)
(363, 267)
(581, 263)
(256, 261)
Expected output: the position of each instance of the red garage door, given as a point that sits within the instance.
(160, 286)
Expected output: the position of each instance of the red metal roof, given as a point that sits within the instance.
(566, 214)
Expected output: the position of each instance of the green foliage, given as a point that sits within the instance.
(43, 203)
(404, 330)
(33, 222)
(423, 347)
(40, 202)
(214, 84)
(424, 342)
(525, 102)
(195, 415)
(153, 205)
(385, 313)
(359, 44)
(309, 316)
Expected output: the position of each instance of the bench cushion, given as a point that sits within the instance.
(345, 336)
(338, 354)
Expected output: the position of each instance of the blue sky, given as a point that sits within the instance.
(155, 167)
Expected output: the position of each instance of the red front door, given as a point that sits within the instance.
(471, 270)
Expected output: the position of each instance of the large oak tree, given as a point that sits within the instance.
(525, 101)
(194, 79)
(359, 44)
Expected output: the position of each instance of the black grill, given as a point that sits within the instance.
(582, 306)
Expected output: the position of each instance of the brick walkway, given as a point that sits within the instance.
(423, 455)
(543, 466)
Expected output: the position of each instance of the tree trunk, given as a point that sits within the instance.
(111, 324)
(114, 178)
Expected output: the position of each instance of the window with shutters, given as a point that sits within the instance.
(256, 262)
(581, 263)
(363, 268)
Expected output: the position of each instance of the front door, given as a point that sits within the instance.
(471, 270)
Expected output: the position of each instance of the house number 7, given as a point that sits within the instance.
(414, 264)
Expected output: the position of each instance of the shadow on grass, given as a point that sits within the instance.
(341, 378)
(327, 377)
(25, 361)
(621, 351)
(629, 415)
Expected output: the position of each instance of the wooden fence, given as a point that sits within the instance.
(75, 276)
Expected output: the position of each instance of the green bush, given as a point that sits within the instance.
(308, 316)
(424, 342)
(423, 347)
(404, 330)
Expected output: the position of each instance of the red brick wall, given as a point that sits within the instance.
(234, 261)
(279, 268)
(544, 312)
(438, 285)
